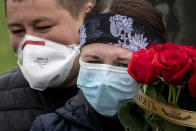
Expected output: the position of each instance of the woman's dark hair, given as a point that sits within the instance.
(138, 9)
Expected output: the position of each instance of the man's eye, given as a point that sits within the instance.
(18, 32)
(43, 28)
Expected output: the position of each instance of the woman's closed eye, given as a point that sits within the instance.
(122, 62)
(94, 61)
(122, 65)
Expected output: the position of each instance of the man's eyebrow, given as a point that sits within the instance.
(14, 24)
(11, 24)
(40, 20)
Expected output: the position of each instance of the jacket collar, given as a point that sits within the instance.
(101, 122)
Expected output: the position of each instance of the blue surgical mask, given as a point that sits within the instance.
(105, 86)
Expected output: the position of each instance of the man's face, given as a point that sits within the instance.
(46, 19)
(42, 18)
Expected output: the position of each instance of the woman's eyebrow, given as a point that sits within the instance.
(92, 56)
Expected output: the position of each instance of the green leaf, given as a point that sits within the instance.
(152, 92)
(173, 105)
(130, 118)
(161, 99)
(168, 126)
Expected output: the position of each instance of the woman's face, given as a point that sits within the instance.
(101, 53)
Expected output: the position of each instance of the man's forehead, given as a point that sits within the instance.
(14, 0)
(29, 10)
(32, 1)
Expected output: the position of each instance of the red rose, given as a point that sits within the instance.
(174, 63)
(165, 47)
(192, 81)
(191, 52)
(140, 67)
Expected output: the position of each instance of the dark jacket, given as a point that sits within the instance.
(20, 105)
(76, 115)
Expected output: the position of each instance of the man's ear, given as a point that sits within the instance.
(87, 8)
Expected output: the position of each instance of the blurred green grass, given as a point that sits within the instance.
(7, 57)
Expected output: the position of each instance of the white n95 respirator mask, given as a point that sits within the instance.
(45, 63)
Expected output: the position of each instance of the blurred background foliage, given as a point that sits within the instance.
(178, 15)
(180, 20)
(7, 57)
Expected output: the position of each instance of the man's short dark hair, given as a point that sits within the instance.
(72, 6)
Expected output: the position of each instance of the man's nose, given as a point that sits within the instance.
(33, 33)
